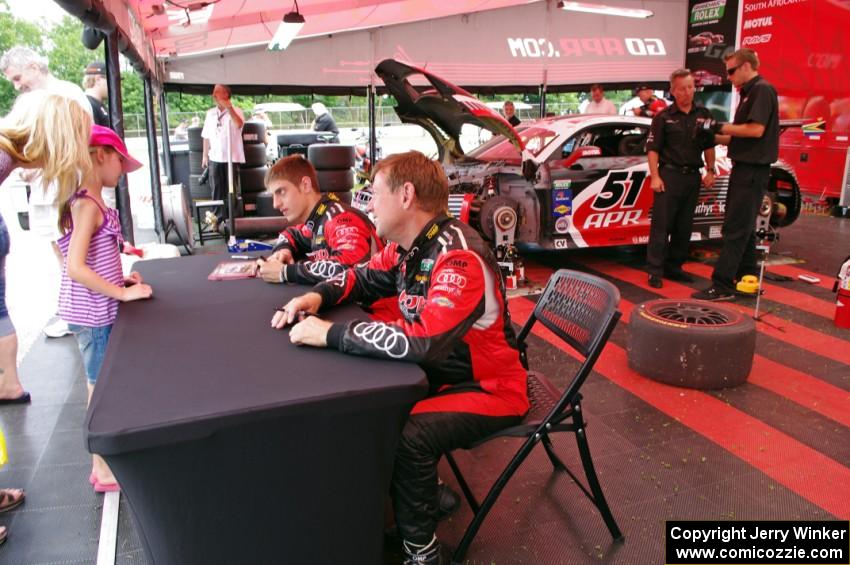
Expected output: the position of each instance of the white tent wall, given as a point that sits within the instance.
(525, 45)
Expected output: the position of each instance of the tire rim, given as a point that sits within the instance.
(693, 314)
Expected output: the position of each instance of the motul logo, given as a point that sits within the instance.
(759, 22)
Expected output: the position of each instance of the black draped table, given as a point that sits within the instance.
(231, 444)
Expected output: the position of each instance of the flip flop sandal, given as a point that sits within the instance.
(102, 487)
(3, 534)
(8, 500)
(24, 398)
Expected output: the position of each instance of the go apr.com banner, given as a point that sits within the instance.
(757, 542)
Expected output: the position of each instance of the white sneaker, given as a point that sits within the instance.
(59, 328)
(210, 219)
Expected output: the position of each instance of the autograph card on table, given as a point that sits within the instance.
(232, 270)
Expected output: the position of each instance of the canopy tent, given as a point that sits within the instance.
(507, 49)
(483, 45)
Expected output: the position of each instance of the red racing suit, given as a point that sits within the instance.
(455, 322)
(334, 237)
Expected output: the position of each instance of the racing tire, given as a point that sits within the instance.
(691, 343)
(335, 180)
(253, 133)
(249, 203)
(196, 159)
(265, 205)
(331, 156)
(255, 155)
(196, 143)
(784, 189)
(197, 190)
(252, 180)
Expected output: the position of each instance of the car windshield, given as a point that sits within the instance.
(501, 149)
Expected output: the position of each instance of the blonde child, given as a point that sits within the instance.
(31, 136)
(92, 281)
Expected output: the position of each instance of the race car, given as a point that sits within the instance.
(706, 78)
(704, 39)
(561, 182)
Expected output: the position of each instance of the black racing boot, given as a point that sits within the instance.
(430, 554)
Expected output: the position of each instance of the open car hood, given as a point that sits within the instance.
(440, 107)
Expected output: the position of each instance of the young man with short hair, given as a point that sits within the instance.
(753, 139)
(95, 85)
(222, 132)
(326, 236)
(598, 104)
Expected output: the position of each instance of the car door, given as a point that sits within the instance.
(602, 170)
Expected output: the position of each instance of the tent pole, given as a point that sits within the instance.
(166, 143)
(116, 118)
(373, 134)
(153, 155)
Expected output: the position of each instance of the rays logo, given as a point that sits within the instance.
(452, 279)
(383, 337)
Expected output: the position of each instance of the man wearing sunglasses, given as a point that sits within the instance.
(753, 140)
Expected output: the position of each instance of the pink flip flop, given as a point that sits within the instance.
(101, 487)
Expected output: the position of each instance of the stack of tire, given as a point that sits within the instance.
(334, 164)
(291, 143)
(252, 173)
(196, 156)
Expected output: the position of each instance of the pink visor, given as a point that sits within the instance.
(104, 137)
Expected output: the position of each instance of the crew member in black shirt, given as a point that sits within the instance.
(753, 141)
(676, 143)
(95, 85)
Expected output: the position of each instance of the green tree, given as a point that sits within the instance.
(68, 57)
(14, 31)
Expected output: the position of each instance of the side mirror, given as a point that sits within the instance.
(581, 153)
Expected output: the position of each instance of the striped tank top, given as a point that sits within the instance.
(78, 304)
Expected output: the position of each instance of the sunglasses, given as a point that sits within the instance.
(731, 70)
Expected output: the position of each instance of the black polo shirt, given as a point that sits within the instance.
(99, 115)
(679, 138)
(758, 104)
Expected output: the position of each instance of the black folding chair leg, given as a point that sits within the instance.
(553, 457)
(467, 492)
(490, 500)
(593, 483)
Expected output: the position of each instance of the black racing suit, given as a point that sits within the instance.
(455, 324)
(334, 237)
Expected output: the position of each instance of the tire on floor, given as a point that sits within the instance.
(691, 343)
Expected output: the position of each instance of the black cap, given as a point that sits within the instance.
(96, 68)
(642, 86)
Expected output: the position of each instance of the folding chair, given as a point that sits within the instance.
(581, 309)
